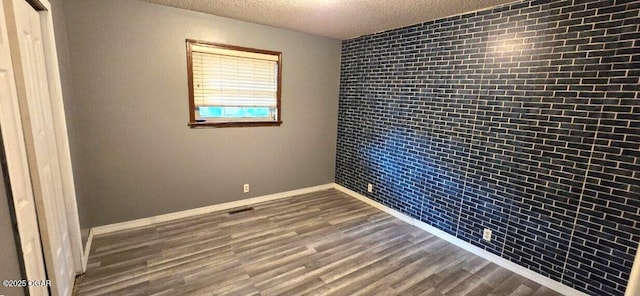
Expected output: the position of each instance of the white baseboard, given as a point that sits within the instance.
(532, 275)
(100, 230)
(87, 249)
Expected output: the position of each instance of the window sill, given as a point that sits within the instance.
(233, 124)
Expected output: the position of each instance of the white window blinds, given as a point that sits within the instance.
(233, 78)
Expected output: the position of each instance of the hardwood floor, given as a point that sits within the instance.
(322, 243)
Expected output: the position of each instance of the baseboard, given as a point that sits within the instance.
(101, 230)
(87, 249)
(532, 275)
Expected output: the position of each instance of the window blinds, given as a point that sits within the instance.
(231, 78)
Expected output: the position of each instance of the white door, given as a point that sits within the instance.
(13, 140)
(42, 151)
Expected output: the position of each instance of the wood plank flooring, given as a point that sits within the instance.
(322, 243)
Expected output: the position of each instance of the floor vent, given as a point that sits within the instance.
(240, 211)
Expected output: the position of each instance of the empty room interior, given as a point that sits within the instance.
(320, 147)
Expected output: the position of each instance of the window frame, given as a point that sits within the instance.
(193, 123)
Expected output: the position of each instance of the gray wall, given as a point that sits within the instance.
(59, 26)
(9, 268)
(135, 156)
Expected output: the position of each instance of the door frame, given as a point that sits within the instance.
(57, 105)
(62, 137)
(633, 285)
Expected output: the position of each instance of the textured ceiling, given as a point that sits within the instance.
(340, 19)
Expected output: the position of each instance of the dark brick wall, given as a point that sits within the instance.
(523, 118)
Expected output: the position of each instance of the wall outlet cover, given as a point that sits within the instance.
(486, 234)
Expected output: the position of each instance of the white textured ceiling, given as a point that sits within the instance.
(340, 19)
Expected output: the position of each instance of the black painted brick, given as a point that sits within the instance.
(523, 118)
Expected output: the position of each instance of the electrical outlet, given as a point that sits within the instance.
(245, 188)
(370, 187)
(486, 234)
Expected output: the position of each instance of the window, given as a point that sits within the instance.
(233, 86)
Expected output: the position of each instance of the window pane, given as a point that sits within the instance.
(235, 112)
